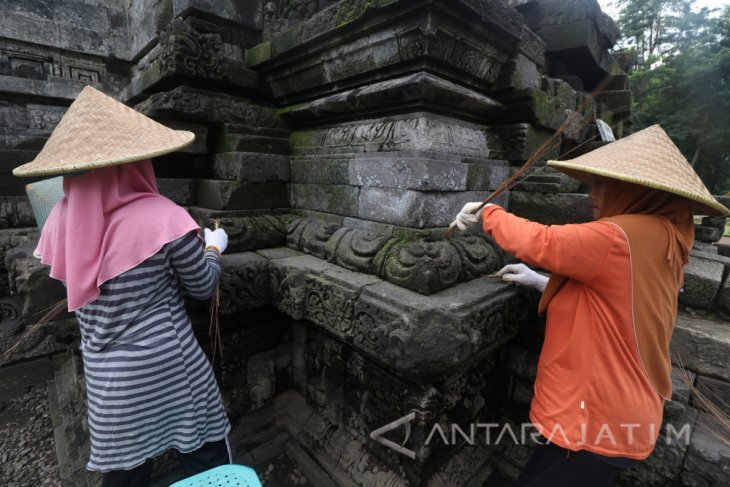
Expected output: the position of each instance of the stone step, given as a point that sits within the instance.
(703, 345)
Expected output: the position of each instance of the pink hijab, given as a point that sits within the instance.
(109, 221)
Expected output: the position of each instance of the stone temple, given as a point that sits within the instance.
(335, 142)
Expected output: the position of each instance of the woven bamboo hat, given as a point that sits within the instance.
(98, 131)
(649, 158)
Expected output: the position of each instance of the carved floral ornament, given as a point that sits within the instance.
(186, 50)
(416, 264)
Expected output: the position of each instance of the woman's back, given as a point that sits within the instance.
(150, 387)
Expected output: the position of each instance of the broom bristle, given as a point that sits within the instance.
(715, 411)
(53, 311)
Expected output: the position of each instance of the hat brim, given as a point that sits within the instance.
(31, 169)
(700, 205)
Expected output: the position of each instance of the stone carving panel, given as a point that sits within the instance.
(24, 62)
(310, 235)
(206, 106)
(289, 292)
(447, 47)
(11, 321)
(354, 249)
(421, 133)
(44, 117)
(373, 327)
(185, 50)
(279, 15)
(422, 266)
(245, 286)
(478, 256)
(330, 306)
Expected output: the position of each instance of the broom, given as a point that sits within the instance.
(53, 311)
(214, 331)
(541, 150)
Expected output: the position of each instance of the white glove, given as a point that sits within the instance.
(217, 239)
(467, 217)
(521, 274)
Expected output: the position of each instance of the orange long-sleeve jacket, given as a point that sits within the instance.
(591, 390)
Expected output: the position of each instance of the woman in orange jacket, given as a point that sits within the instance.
(611, 302)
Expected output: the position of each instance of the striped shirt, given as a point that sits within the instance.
(149, 385)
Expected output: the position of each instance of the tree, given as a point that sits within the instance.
(681, 79)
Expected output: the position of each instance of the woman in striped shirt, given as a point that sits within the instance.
(123, 251)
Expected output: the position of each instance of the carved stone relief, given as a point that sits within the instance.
(449, 48)
(354, 249)
(185, 50)
(423, 266)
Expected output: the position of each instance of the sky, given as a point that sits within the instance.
(608, 5)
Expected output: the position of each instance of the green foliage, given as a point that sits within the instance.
(681, 79)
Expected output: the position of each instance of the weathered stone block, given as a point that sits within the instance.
(233, 195)
(486, 174)
(249, 17)
(320, 169)
(702, 345)
(618, 102)
(723, 299)
(245, 282)
(707, 234)
(244, 138)
(422, 335)
(535, 106)
(355, 249)
(416, 91)
(412, 208)
(714, 221)
(414, 132)
(708, 456)
(522, 362)
(427, 267)
(254, 167)
(716, 391)
(181, 191)
(207, 107)
(702, 280)
(676, 409)
(16, 212)
(409, 171)
(519, 73)
(551, 208)
(520, 141)
(331, 198)
(390, 44)
(30, 279)
(261, 378)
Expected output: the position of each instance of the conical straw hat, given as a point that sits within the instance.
(649, 158)
(98, 131)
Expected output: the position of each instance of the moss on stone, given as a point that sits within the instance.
(258, 54)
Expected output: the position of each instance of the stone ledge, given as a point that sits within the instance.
(420, 91)
(341, 42)
(396, 326)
